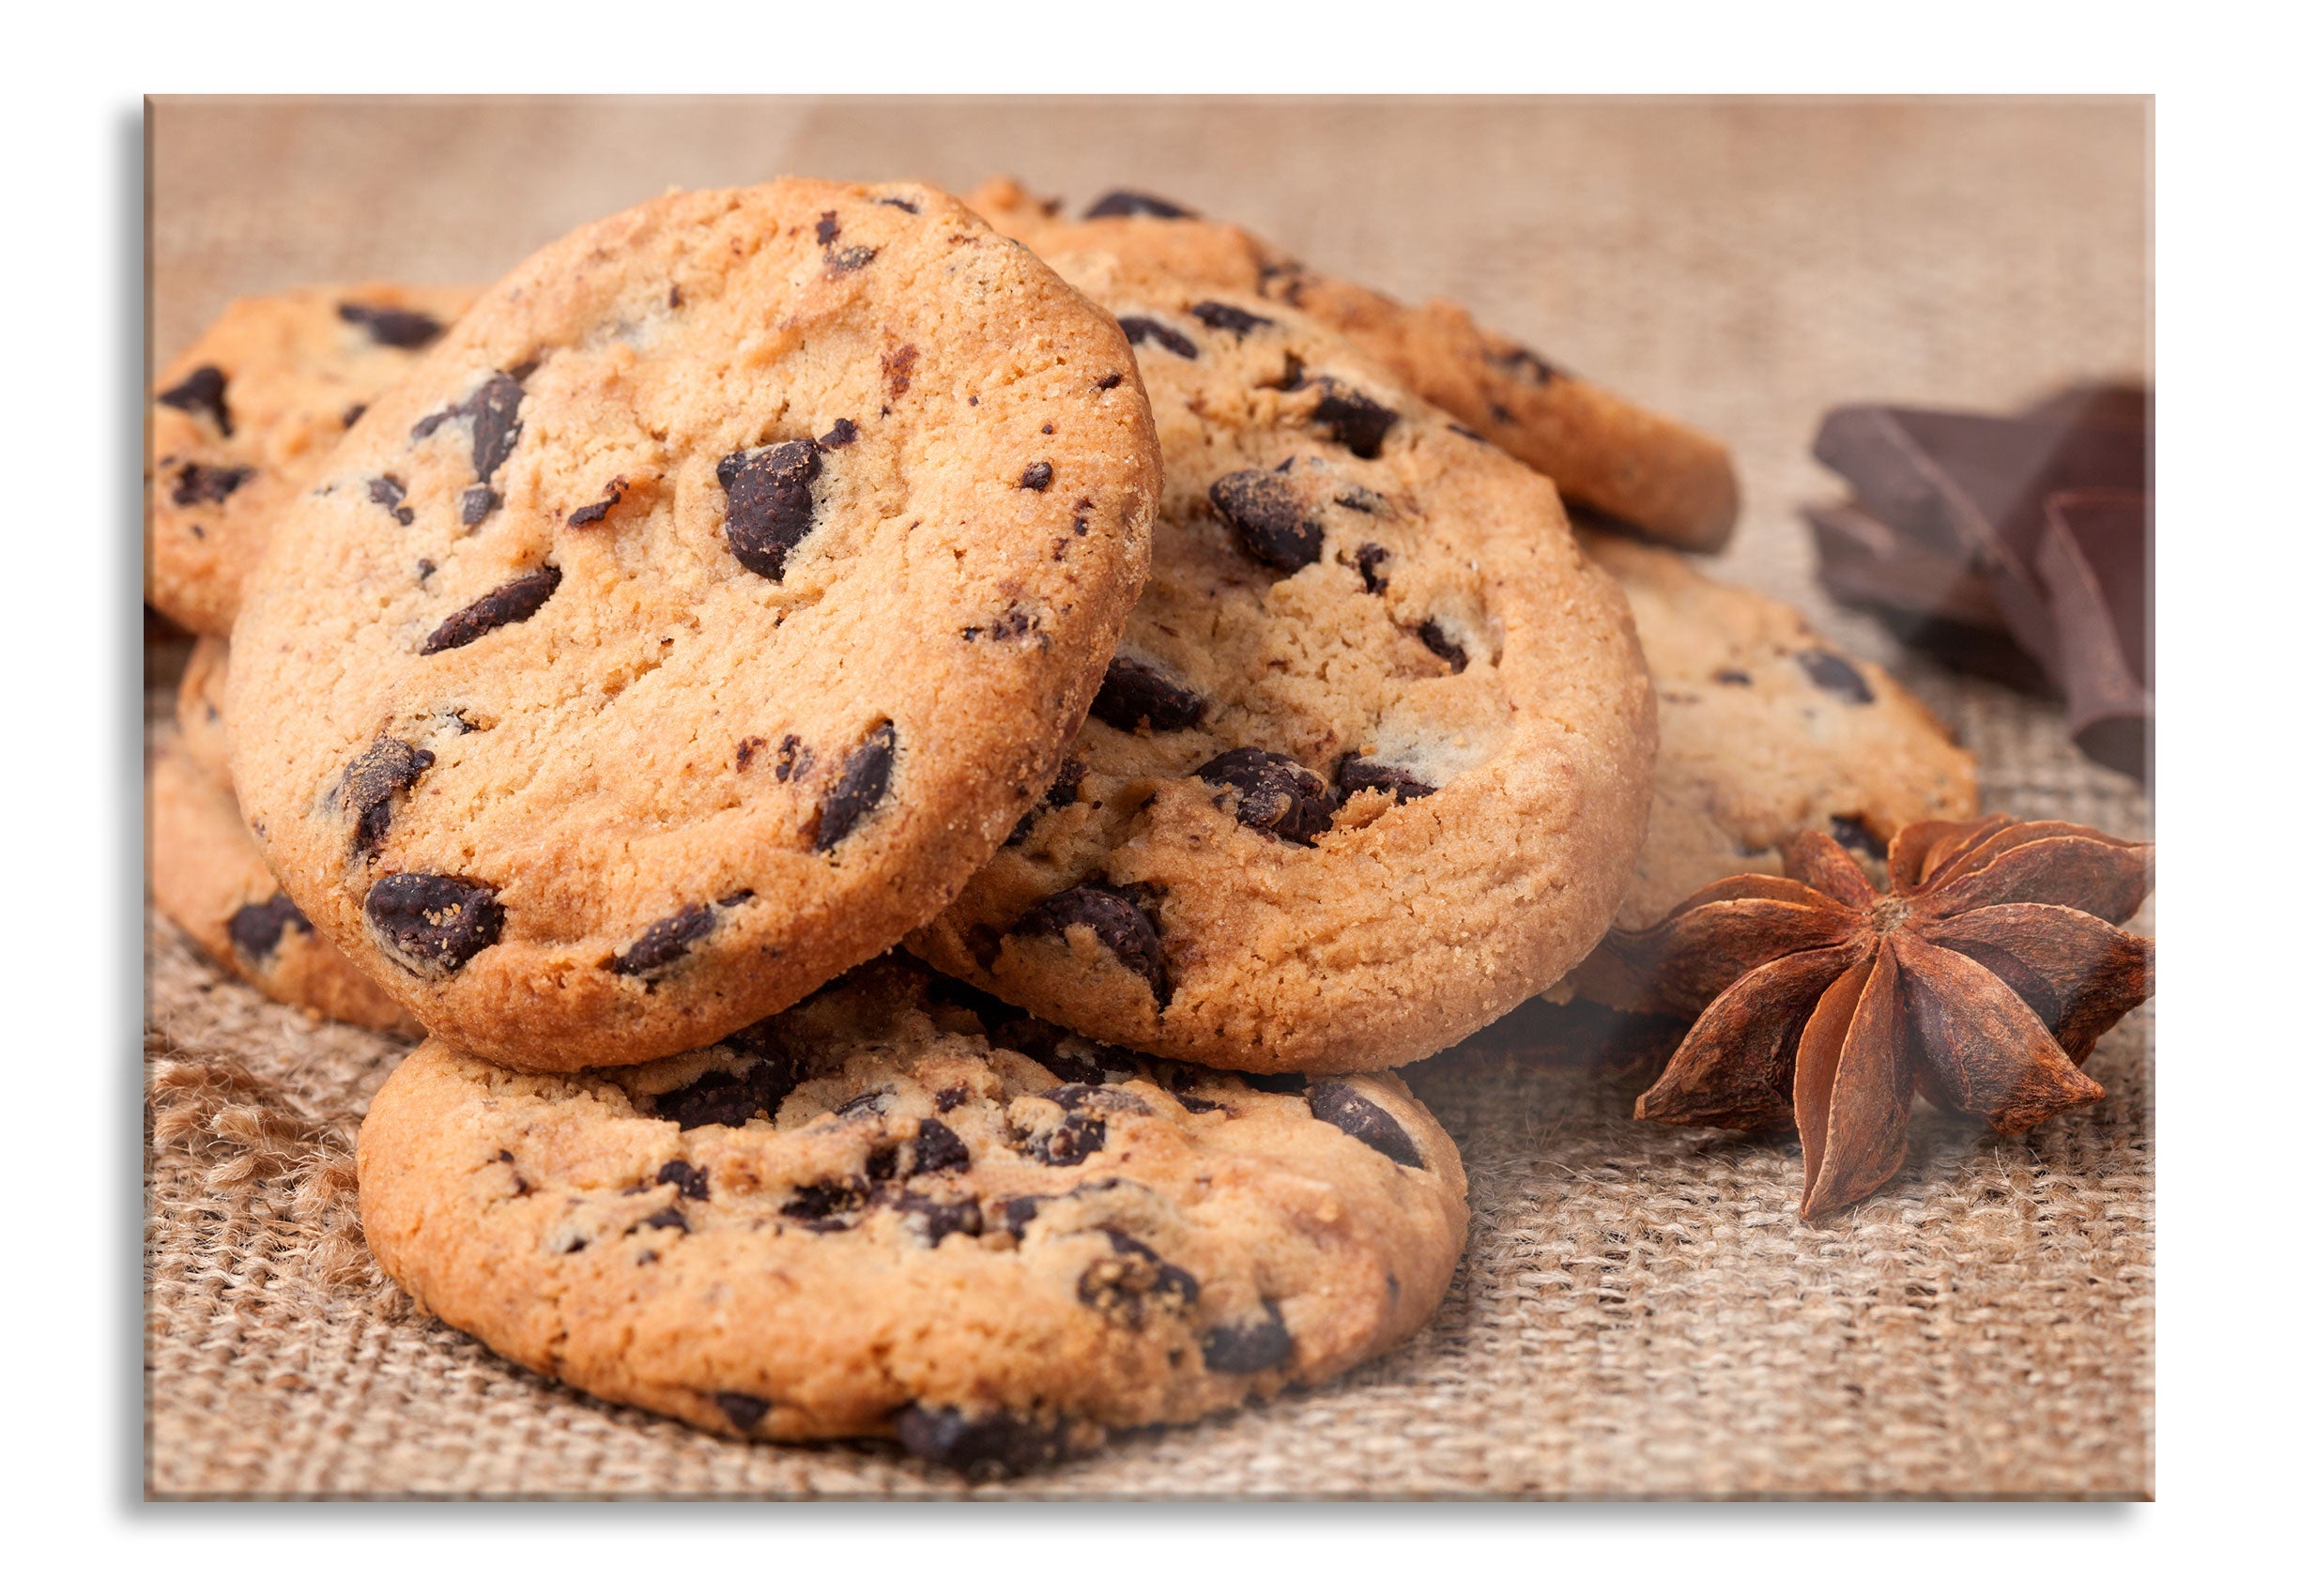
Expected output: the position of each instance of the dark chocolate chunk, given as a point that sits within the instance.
(1731, 679)
(1134, 695)
(1434, 638)
(826, 228)
(950, 1097)
(514, 602)
(208, 484)
(2096, 567)
(937, 1146)
(388, 491)
(842, 434)
(1358, 773)
(401, 330)
(745, 1413)
(1347, 1109)
(1855, 838)
(477, 504)
(1107, 383)
(722, 1098)
(665, 939)
(1352, 420)
(1077, 1138)
(1138, 327)
(1134, 1280)
(997, 1442)
(1132, 202)
(860, 789)
(1369, 559)
(436, 924)
(666, 1219)
(1198, 1105)
(1248, 1349)
(202, 391)
(864, 1104)
(792, 759)
(1275, 796)
(1060, 795)
(837, 263)
(902, 205)
(387, 770)
(255, 929)
(352, 413)
(1229, 319)
(1832, 674)
(1120, 925)
(693, 1184)
(937, 1219)
(827, 1205)
(590, 514)
(770, 503)
(741, 895)
(1270, 514)
(1074, 1058)
(748, 750)
(1037, 475)
(1350, 495)
(495, 424)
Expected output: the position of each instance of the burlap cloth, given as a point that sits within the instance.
(1640, 1311)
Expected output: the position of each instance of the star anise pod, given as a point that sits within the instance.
(1981, 977)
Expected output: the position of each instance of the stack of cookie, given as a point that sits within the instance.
(921, 774)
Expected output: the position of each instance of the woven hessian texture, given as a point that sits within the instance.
(1640, 1311)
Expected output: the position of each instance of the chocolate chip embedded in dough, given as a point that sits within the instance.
(667, 939)
(860, 789)
(385, 770)
(1061, 794)
(934, 1220)
(745, 1413)
(255, 929)
(1248, 1349)
(770, 503)
(476, 504)
(826, 228)
(393, 326)
(1037, 475)
(1275, 796)
(1831, 673)
(1133, 1281)
(1351, 419)
(720, 1097)
(1434, 638)
(514, 601)
(897, 366)
(1731, 678)
(1229, 319)
(208, 484)
(435, 925)
(1138, 328)
(202, 393)
(1134, 695)
(493, 410)
(666, 1219)
(1131, 202)
(993, 1443)
(842, 434)
(1369, 559)
(1107, 383)
(1116, 922)
(1350, 1110)
(1270, 512)
(388, 491)
(910, 207)
(1358, 773)
(826, 1204)
(937, 1147)
(837, 263)
(693, 1184)
(590, 513)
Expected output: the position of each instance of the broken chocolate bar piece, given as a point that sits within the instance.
(2093, 564)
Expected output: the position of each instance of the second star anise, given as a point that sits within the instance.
(1981, 978)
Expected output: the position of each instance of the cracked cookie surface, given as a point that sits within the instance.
(1667, 479)
(242, 421)
(901, 1209)
(1372, 763)
(1766, 730)
(705, 607)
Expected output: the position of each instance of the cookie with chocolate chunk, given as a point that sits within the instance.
(207, 878)
(1370, 766)
(1665, 478)
(706, 606)
(242, 420)
(1766, 730)
(899, 1211)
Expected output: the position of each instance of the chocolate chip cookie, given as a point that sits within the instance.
(707, 606)
(242, 421)
(1766, 730)
(199, 709)
(902, 1210)
(1660, 476)
(1372, 763)
(207, 878)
